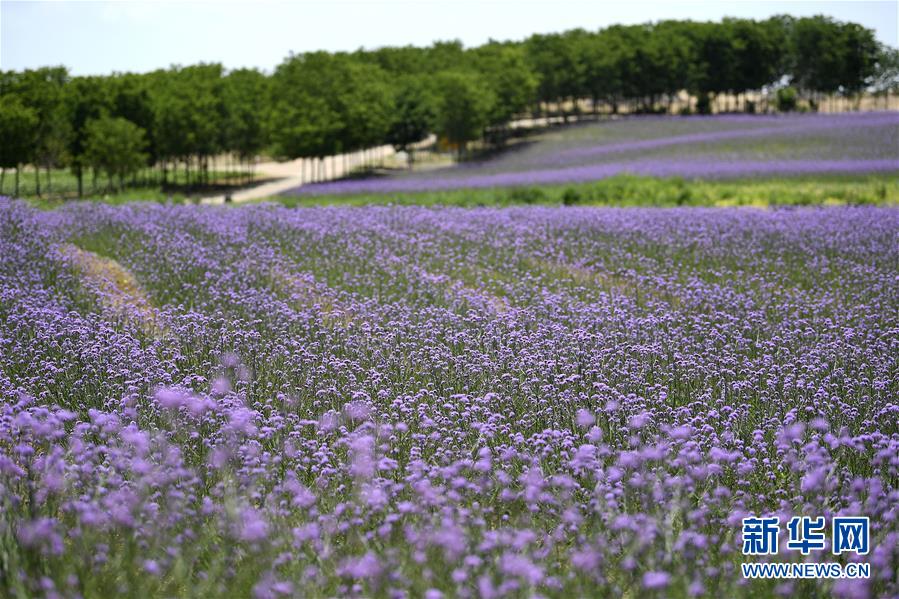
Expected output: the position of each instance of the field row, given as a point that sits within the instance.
(720, 147)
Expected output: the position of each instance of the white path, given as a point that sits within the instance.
(263, 190)
(290, 174)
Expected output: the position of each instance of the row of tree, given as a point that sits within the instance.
(319, 104)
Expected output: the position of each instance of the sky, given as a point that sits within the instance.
(99, 37)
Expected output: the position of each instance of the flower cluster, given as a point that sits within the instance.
(412, 402)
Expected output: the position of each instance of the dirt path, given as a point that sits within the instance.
(116, 289)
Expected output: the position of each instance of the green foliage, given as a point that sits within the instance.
(829, 56)
(132, 99)
(886, 70)
(115, 146)
(18, 130)
(554, 59)
(464, 106)
(141, 186)
(703, 104)
(414, 112)
(505, 70)
(244, 127)
(325, 104)
(86, 98)
(631, 190)
(787, 99)
(42, 90)
(571, 196)
(525, 195)
(189, 111)
(365, 103)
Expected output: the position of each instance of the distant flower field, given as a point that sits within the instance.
(440, 402)
(728, 146)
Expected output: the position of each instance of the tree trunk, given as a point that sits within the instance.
(17, 180)
(80, 176)
(2, 174)
(49, 181)
(37, 181)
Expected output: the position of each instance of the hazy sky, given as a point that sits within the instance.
(96, 37)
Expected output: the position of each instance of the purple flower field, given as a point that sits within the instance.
(714, 147)
(413, 402)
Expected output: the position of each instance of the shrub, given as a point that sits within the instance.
(571, 196)
(787, 99)
(525, 195)
(703, 104)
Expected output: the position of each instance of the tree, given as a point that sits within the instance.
(304, 122)
(404, 60)
(885, 78)
(86, 98)
(115, 146)
(554, 59)
(463, 107)
(758, 53)
(716, 60)
(444, 56)
(413, 115)
(42, 91)
(325, 104)
(514, 85)
(858, 58)
(606, 56)
(189, 114)
(364, 101)
(132, 99)
(244, 130)
(18, 130)
(816, 63)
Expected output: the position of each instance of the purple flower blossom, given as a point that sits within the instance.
(647, 379)
(656, 580)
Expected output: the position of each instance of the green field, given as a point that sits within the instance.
(63, 186)
(627, 190)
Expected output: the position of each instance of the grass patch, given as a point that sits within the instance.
(146, 186)
(632, 190)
